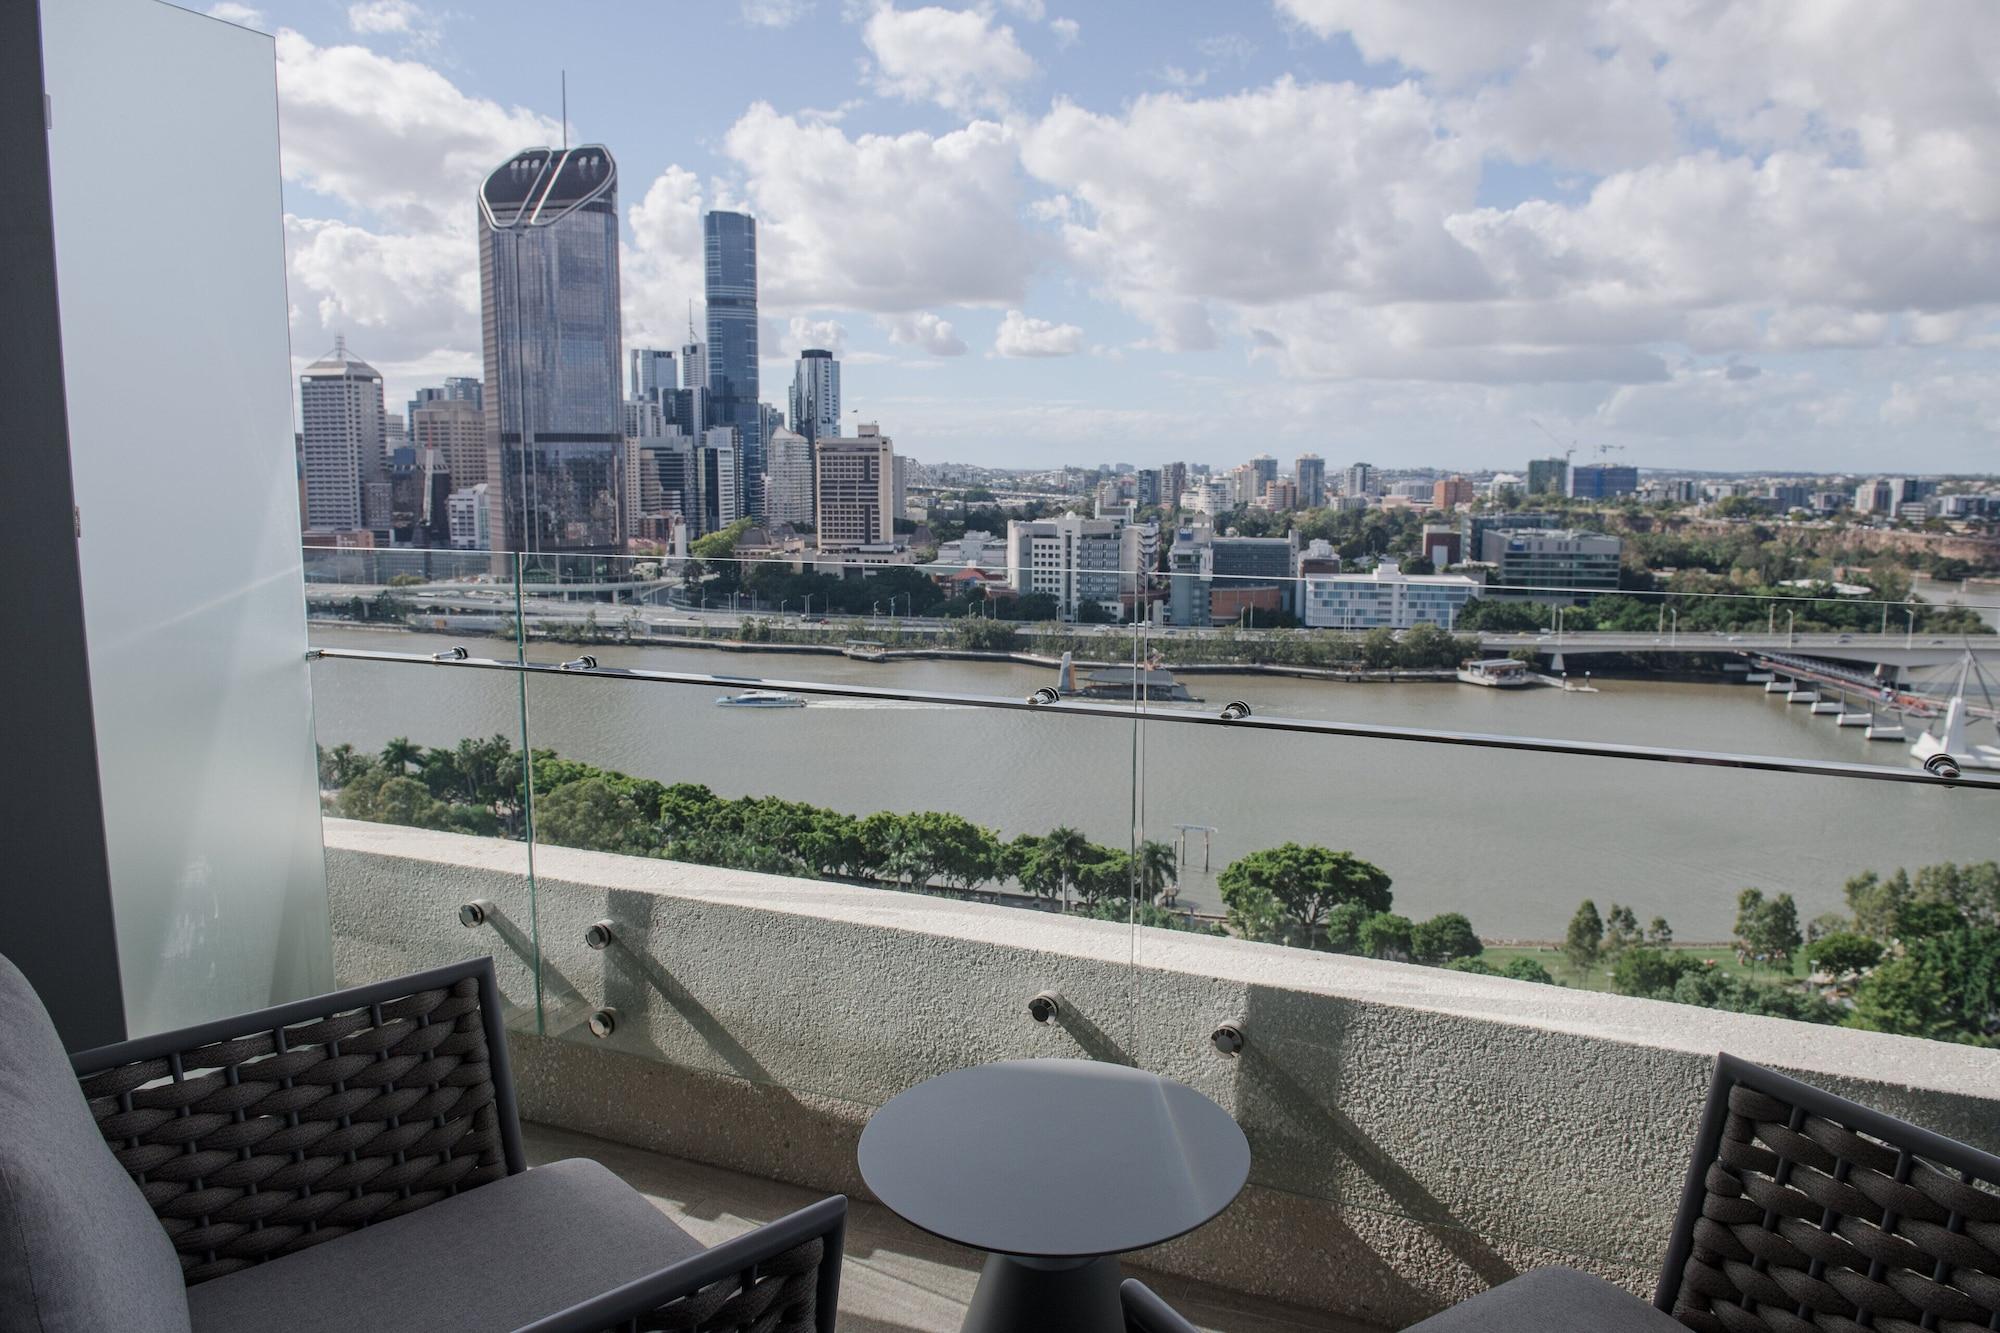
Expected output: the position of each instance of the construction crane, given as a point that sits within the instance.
(1554, 440)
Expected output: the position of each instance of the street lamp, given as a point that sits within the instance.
(809, 605)
(1910, 634)
(1673, 639)
(1791, 619)
(783, 602)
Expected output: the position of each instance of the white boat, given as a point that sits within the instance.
(761, 699)
(1496, 673)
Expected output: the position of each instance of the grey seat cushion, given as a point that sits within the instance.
(80, 1251)
(1551, 1300)
(493, 1258)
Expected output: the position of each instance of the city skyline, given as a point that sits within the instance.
(1626, 236)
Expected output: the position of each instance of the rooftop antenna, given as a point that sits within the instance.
(690, 321)
(565, 109)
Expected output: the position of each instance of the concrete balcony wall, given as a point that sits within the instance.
(1417, 1134)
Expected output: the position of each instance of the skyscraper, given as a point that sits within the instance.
(548, 285)
(651, 371)
(1265, 469)
(730, 244)
(1360, 479)
(456, 389)
(1310, 472)
(816, 394)
(788, 490)
(340, 410)
(456, 428)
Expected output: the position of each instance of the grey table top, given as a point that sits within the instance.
(1054, 1158)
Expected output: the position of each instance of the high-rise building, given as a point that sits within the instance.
(395, 431)
(730, 245)
(1450, 492)
(719, 475)
(1360, 479)
(769, 419)
(1146, 488)
(816, 394)
(646, 418)
(788, 478)
(456, 389)
(548, 280)
(1310, 473)
(1602, 481)
(650, 374)
(1870, 497)
(340, 410)
(855, 484)
(1101, 562)
(1265, 468)
(1548, 476)
(470, 518)
(1173, 481)
(456, 429)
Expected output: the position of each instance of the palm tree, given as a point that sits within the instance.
(1157, 869)
(1063, 853)
(400, 753)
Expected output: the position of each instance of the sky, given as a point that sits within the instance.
(1715, 234)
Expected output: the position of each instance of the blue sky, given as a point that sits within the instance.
(1724, 234)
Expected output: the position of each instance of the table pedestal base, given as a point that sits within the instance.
(1021, 1295)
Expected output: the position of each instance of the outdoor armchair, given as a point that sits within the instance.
(349, 1162)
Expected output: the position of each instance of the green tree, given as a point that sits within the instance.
(1158, 867)
(1643, 971)
(1386, 935)
(1843, 954)
(1621, 930)
(400, 753)
(1659, 935)
(1584, 940)
(1767, 929)
(1443, 938)
(1343, 927)
(1527, 969)
(1475, 965)
(1252, 912)
(384, 798)
(592, 813)
(1308, 882)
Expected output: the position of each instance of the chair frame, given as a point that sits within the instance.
(1899, 1136)
(629, 1307)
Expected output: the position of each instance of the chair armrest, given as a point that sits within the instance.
(776, 1262)
(1147, 1313)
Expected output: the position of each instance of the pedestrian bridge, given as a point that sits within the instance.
(1901, 653)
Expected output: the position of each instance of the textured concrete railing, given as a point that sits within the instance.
(1417, 1134)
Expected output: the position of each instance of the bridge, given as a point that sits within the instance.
(1903, 653)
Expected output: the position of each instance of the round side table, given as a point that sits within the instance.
(1054, 1168)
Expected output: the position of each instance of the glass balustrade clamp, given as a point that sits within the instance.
(603, 1022)
(1046, 1006)
(1229, 1038)
(1292, 725)
(475, 913)
(600, 935)
(455, 653)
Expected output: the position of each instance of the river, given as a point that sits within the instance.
(1514, 840)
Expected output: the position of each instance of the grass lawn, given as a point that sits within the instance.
(1498, 956)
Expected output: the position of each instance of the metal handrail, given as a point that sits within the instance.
(1136, 710)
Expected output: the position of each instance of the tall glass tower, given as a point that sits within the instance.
(548, 287)
(816, 394)
(730, 240)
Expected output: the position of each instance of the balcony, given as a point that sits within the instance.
(1418, 1132)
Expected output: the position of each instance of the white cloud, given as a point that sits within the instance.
(1233, 47)
(927, 331)
(1031, 10)
(1067, 32)
(661, 267)
(394, 18)
(230, 12)
(882, 223)
(1021, 335)
(956, 58)
(775, 13)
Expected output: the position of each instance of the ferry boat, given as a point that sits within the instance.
(1152, 682)
(761, 699)
(1496, 672)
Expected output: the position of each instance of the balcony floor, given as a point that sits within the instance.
(897, 1279)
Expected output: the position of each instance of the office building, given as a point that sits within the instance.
(1099, 562)
(548, 280)
(1309, 471)
(1451, 492)
(816, 394)
(1280, 496)
(470, 519)
(1215, 579)
(340, 413)
(855, 488)
(1385, 598)
(455, 389)
(456, 429)
(1265, 469)
(1359, 480)
(1548, 476)
(788, 479)
(648, 418)
(1602, 481)
(730, 247)
(1442, 544)
(651, 374)
(1173, 480)
(1551, 560)
(719, 477)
